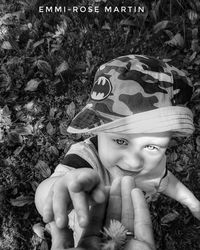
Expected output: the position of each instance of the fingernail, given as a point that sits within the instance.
(47, 217)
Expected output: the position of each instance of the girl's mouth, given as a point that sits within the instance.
(129, 172)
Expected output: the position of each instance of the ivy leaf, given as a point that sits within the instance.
(50, 129)
(18, 150)
(6, 111)
(71, 110)
(106, 26)
(177, 40)
(160, 26)
(22, 201)
(24, 130)
(63, 128)
(169, 217)
(14, 137)
(53, 150)
(64, 66)
(6, 45)
(36, 44)
(32, 85)
(193, 16)
(43, 66)
(43, 168)
(39, 230)
(173, 156)
(179, 167)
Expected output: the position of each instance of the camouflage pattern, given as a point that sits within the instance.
(129, 85)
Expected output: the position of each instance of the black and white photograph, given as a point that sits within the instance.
(99, 125)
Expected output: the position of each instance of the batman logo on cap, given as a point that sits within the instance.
(101, 89)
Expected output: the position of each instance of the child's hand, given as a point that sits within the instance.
(77, 187)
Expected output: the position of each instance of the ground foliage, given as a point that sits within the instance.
(48, 61)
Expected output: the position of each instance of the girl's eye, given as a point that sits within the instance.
(121, 141)
(151, 147)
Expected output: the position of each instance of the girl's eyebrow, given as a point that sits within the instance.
(159, 144)
(119, 137)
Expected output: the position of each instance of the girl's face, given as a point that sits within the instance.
(132, 154)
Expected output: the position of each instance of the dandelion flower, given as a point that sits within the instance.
(115, 236)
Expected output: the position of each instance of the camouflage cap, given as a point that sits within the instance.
(137, 94)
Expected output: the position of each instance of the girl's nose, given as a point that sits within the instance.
(133, 162)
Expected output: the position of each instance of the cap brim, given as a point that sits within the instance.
(172, 118)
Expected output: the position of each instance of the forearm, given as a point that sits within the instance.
(42, 192)
(178, 191)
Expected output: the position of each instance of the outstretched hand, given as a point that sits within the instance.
(77, 187)
(126, 204)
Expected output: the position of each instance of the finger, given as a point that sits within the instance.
(99, 193)
(90, 238)
(81, 206)
(142, 220)
(61, 203)
(127, 184)
(137, 245)
(85, 180)
(114, 202)
(61, 238)
(96, 218)
(48, 207)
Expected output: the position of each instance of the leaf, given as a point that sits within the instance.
(195, 45)
(6, 111)
(44, 245)
(52, 112)
(39, 230)
(173, 156)
(38, 43)
(18, 150)
(24, 130)
(169, 33)
(29, 106)
(14, 137)
(34, 185)
(22, 201)
(193, 16)
(43, 168)
(50, 129)
(6, 45)
(64, 66)
(1, 135)
(169, 217)
(32, 85)
(178, 167)
(71, 110)
(155, 9)
(177, 40)
(106, 26)
(192, 57)
(160, 26)
(53, 150)
(167, 60)
(63, 128)
(88, 57)
(43, 66)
